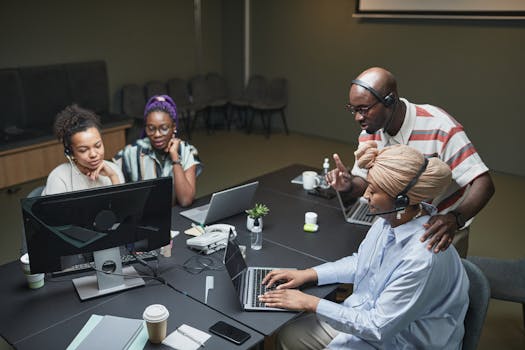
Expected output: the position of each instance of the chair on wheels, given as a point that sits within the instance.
(479, 295)
(275, 102)
(178, 91)
(506, 278)
(133, 103)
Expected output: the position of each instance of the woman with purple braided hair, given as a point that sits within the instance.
(161, 153)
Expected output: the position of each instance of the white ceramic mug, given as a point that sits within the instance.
(310, 180)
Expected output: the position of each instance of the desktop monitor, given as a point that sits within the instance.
(98, 221)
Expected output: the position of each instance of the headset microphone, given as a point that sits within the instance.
(384, 212)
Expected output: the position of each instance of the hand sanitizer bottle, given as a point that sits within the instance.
(256, 239)
(323, 183)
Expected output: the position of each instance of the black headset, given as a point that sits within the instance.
(402, 201)
(387, 101)
(67, 148)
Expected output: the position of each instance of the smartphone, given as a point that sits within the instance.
(229, 332)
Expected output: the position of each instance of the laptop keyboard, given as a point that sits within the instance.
(358, 214)
(258, 288)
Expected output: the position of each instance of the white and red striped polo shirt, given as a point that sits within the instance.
(435, 133)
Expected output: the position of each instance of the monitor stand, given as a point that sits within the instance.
(115, 280)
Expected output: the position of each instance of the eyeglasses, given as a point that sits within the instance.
(163, 129)
(361, 110)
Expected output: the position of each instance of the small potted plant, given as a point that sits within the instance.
(257, 212)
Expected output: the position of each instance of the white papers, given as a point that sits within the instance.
(186, 338)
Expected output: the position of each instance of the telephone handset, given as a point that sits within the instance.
(214, 238)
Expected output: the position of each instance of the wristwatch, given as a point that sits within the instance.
(177, 162)
(460, 220)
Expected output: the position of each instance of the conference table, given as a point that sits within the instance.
(52, 316)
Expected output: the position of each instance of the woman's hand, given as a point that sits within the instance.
(105, 170)
(173, 148)
(291, 299)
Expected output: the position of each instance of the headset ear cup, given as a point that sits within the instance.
(401, 201)
(389, 100)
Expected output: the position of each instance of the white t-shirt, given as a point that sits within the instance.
(67, 177)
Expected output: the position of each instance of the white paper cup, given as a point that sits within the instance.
(310, 180)
(310, 218)
(34, 281)
(24, 262)
(156, 317)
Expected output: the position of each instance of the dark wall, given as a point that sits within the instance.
(139, 40)
(472, 69)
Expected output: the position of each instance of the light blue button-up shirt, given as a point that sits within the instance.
(405, 297)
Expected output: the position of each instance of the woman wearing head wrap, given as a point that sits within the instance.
(404, 296)
(161, 153)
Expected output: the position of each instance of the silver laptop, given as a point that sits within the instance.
(223, 204)
(355, 212)
(247, 280)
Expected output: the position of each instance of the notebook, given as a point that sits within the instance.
(355, 213)
(223, 204)
(247, 280)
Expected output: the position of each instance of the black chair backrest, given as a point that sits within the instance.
(178, 91)
(133, 101)
(154, 88)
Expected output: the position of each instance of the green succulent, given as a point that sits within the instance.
(258, 211)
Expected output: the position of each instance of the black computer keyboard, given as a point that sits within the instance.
(126, 259)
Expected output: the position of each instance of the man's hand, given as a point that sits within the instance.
(289, 278)
(339, 178)
(291, 299)
(440, 230)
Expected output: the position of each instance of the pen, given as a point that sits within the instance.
(190, 337)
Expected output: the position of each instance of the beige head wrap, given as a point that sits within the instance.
(392, 168)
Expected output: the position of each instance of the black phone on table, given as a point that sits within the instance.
(229, 332)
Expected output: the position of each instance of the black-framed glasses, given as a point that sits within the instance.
(361, 110)
(163, 129)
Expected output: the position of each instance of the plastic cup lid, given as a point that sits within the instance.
(24, 259)
(155, 313)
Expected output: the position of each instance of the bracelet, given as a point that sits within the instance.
(177, 162)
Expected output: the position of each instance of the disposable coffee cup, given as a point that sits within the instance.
(310, 218)
(310, 180)
(34, 281)
(156, 317)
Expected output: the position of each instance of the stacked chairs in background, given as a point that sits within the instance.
(207, 99)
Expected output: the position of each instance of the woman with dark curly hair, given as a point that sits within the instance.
(79, 131)
(161, 153)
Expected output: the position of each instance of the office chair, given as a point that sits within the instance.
(506, 278)
(178, 91)
(275, 101)
(219, 96)
(200, 100)
(153, 88)
(255, 91)
(479, 295)
(133, 103)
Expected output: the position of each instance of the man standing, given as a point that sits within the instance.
(387, 119)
